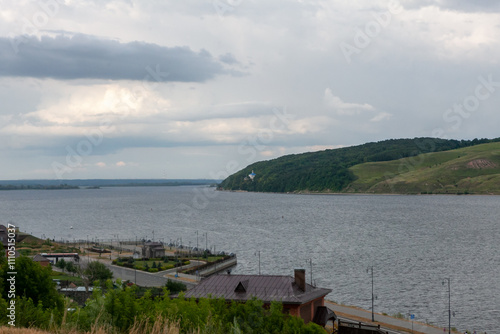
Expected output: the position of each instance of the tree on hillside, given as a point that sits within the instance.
(70, 267)
(94, 271)
(61, 264)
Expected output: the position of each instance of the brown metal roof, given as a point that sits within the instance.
(264, 287)
(39, 258)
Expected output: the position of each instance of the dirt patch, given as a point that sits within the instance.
(481, 164)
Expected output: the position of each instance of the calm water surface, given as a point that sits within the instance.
(412, 242)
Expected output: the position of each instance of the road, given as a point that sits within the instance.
(139, 277)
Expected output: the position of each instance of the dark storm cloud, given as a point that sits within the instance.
(86, 57)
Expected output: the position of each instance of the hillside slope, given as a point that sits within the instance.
(330, 170)
(470, 170)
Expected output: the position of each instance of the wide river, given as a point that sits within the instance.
(413, 243)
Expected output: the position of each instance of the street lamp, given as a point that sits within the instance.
(311, 262)
(258, 253)
(206, 240)
(197, 250)
(449, 304)
(373, 296)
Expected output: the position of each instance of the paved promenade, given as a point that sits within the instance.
(357, 314)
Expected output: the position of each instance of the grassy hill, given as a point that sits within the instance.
(470, 170)
(376, 168)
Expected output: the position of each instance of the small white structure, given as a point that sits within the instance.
(55, 257)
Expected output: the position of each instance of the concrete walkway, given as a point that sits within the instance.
(357, 314)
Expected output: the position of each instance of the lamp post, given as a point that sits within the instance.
(206, 240)
(449, 304)
(88, 255)
(373, 296)
(258, 252)
(197, 250)
(311, 263)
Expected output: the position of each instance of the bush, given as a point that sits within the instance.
(153, 270)
(175, 287)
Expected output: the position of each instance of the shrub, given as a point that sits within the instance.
(175, 287)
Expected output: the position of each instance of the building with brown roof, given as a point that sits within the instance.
(298, 298)
(44, 262)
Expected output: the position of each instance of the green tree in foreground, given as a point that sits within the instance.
(31, 281)
(37, 301)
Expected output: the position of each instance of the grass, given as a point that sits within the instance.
(30, 245)
(212, 258)
(65, 277)
(432, 173)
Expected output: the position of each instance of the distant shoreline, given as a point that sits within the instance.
(36, 187)
(100, 183)
(357, 193)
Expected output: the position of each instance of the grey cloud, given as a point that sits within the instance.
(87, 57)
(228, 59)
(456, 5)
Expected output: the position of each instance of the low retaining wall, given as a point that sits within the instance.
(212, 268)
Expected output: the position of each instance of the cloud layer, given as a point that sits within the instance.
(86, 57)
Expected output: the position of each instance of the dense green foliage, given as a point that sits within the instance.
(329, 170)
(32, 281)
(66, 265)
(37, 301)
(118, 309)
(175, 287)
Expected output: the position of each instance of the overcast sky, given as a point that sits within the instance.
(201, 89)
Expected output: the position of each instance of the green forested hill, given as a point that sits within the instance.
(341, 170)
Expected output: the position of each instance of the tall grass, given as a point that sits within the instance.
(159, 326)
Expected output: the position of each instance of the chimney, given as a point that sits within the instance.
(300, 279)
